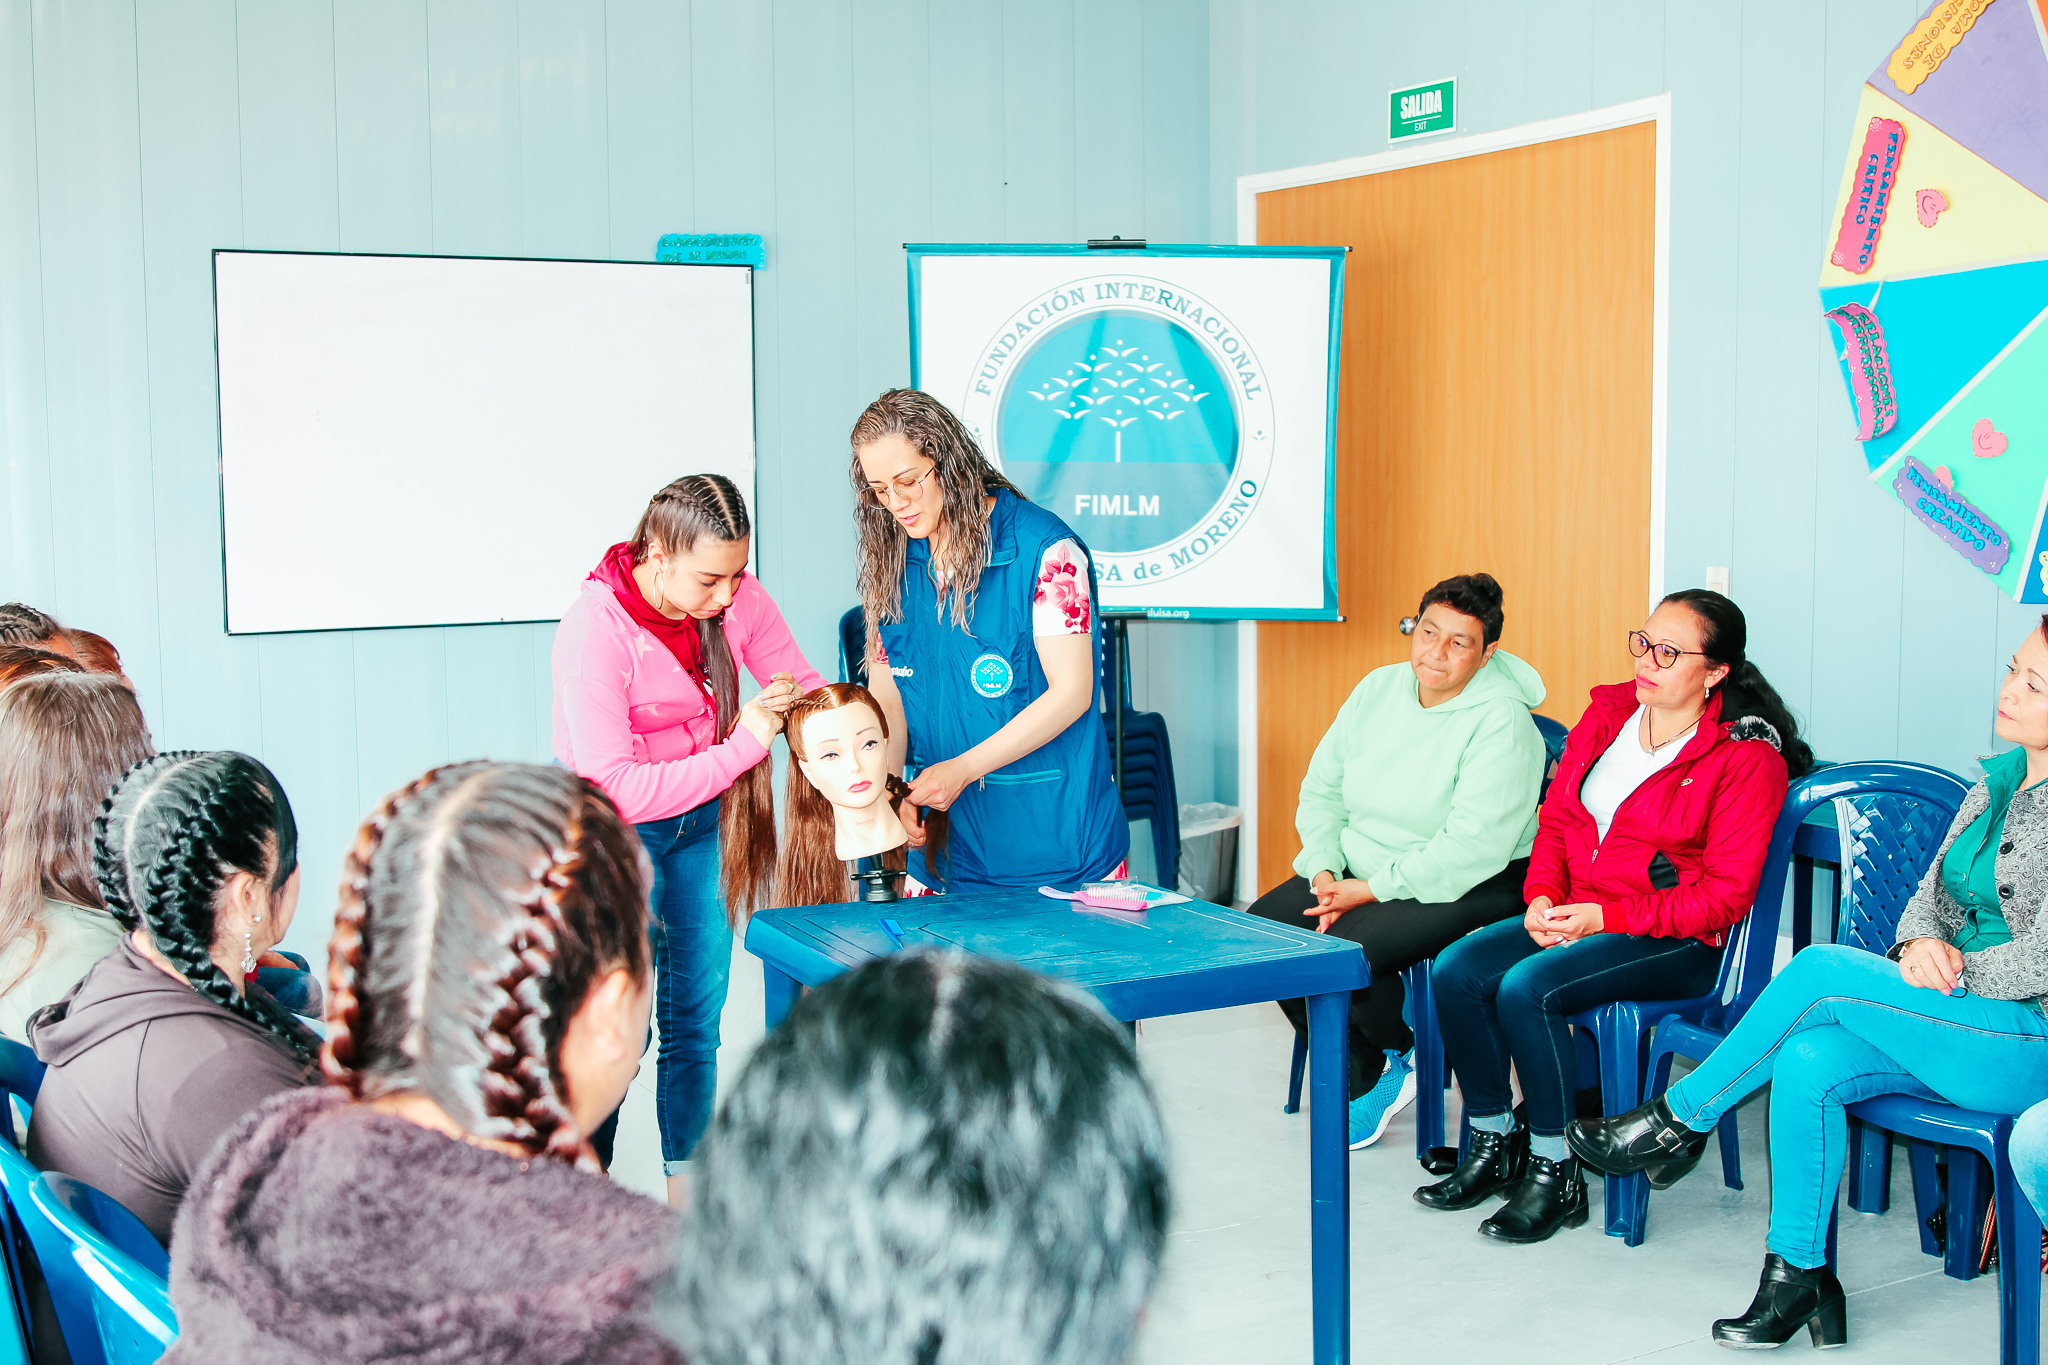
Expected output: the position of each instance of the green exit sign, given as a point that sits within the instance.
(1421, 110)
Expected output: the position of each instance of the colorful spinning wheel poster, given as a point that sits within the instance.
(1935, 281)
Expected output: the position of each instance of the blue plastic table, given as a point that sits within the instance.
(1174, 959)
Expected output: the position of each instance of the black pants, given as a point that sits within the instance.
(1395, 934)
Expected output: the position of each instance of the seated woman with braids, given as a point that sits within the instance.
(163, 1046)
(487, 1007)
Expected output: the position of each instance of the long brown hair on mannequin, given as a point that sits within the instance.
(695, 506)
(809, 871)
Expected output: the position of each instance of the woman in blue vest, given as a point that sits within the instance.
(985, 649)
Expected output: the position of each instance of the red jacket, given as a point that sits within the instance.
(1709, 811)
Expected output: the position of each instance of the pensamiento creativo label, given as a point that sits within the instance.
(1951, 516)
(1867, 367)
(1877, 171)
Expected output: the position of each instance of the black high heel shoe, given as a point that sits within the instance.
(1787, 1297)
(1492, 1165)
(1646, 1139)
(1551, 1196)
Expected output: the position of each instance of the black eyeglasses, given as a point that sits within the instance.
(1665, 654)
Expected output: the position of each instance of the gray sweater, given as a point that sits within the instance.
(145, 1074)
(2017, 970)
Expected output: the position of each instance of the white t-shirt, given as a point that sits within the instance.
(1624, 767)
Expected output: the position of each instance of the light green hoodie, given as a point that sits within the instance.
(1425, 804)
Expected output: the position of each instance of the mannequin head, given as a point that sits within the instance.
(840, 744)
(839, 741)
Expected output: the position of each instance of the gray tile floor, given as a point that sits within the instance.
(1425, 1286)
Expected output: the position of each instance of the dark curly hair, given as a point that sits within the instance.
(478, 906)
(167, 840)
(1476, 595)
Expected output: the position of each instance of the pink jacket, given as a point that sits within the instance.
(629, 718)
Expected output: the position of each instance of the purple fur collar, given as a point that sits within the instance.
(324, 1232)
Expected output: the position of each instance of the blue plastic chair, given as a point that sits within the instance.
(1965, 1131)
(1621, 1029)
(1432, 1068)
(853, 644)
(107, 1274)
(1905, 795)
(1148, 790)
(1887, 842)
(1554, 734)
(21, 1076)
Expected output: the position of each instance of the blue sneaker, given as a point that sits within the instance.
(1375, 1109)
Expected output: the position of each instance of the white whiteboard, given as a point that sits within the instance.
(432, 440)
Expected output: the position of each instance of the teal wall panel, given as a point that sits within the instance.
(136, 139)
(185, 58)
(1882, 639)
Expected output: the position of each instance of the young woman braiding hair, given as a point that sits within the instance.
(646, 672)
(167, 1042)
(487, 1007)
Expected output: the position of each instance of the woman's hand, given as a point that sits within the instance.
(1334, 898)
(1571, 922)
(912, 826)
(940, 785)
(1931, 962)
(1538, 925)
(781, 693)
(762, 716)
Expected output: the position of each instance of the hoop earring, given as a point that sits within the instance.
(660, 597)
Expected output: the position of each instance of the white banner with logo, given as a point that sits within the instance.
(1174, 405)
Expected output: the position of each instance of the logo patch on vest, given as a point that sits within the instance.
(991, 675)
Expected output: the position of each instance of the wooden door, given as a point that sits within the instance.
(1494, 415)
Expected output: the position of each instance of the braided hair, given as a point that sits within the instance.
(166, 842)
(479, 905)
(696, 507)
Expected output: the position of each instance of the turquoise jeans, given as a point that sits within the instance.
(1840, 1025)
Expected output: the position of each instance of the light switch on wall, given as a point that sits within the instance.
(1717, 578)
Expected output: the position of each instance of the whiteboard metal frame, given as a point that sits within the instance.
(1656, 110)
(219, 438)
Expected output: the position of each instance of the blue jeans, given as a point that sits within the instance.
(692, 961)
(1840, 1025)
(1502, 999)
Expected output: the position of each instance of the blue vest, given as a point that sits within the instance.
(1053, 815)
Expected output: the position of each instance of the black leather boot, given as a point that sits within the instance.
(1645, 1139)
(1492, 1165)
(1786, 1298)
(1551, 1196)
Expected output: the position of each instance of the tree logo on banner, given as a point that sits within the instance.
(1134, 411)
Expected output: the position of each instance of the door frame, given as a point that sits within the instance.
(1655, 110)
